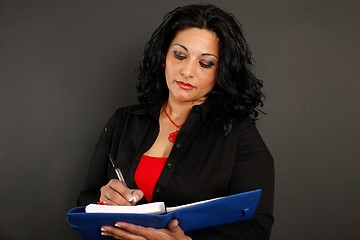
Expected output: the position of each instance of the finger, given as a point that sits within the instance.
(120, 189)
(175, 230)
(103, 199)
(137, 194)
(132, 228)
(131, 195)
(174, 226)
(118, 194)
(123, 232)
(113, 232)
(109, 202)
(107, 194)
(150, 233)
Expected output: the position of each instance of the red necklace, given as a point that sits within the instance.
(172, 136)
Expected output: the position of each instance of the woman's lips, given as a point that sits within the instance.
(183, 85)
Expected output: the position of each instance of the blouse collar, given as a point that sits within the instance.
(154, 110)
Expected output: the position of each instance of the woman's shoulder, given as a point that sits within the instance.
(244, 123)
(133, 110)
(129, 108)
(125, 111)
(243, 120)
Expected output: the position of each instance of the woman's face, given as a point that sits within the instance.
(191, 64)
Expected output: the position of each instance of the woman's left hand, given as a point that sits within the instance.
(128, 231)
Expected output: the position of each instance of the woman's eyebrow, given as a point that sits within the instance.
(209, 54)
(204, 54)
(176, 44)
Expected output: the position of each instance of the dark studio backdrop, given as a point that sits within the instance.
(65, 66)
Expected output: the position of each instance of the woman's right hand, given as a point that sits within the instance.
(116, 193)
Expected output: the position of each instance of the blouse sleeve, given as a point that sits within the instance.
(254, 168)
(97, 172)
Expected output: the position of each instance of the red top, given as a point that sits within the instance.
(147, 174)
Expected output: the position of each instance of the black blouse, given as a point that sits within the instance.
(203, 164)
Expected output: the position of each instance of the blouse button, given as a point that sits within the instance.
(169, 165)
(157, 189)
(178, 145)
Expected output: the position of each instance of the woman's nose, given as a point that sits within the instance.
(188, 69)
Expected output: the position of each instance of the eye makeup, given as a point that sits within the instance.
(206, 64)
(181, 52)
(179, 55)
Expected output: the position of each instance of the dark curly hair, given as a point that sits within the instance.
(237, 92)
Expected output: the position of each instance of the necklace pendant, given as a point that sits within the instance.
(172, 136)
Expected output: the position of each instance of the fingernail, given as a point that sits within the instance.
(129, 197)
(133, 198)
(103, 231)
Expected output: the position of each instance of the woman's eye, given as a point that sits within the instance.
(206, 64)
(179, 56)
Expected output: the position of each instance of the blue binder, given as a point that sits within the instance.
(229, 209)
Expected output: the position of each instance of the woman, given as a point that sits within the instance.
(192, 137)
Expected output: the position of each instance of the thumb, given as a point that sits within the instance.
(176, 231)
(174, 226)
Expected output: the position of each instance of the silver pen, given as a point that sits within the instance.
(117, 170)
(120, 176)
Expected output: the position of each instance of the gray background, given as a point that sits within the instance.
(66, 65)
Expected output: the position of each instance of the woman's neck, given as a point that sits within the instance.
(178, 111)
